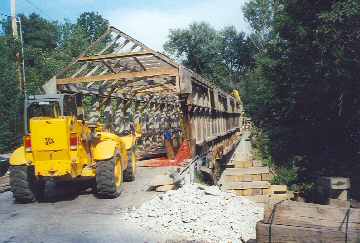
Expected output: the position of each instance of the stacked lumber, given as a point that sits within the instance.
(250, 178)
(334, 191)
(289, 221)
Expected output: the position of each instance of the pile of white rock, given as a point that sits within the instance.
(197, 212)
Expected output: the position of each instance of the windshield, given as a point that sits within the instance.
(44, 109)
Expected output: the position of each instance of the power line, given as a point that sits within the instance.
(37, 8)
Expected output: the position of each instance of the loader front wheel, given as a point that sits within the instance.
(109, 177)
(23, 184)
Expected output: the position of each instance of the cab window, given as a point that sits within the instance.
(70, 105)
(44, 109)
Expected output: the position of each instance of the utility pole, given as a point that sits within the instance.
(13, 19)
(16, 37)
(20, 75)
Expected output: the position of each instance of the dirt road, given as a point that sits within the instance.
(67, 216)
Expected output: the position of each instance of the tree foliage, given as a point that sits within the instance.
(221, 56)
(9, 96)
(48, 47)
(93, 24)
(304, 91)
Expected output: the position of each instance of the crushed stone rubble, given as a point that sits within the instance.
(198, 212)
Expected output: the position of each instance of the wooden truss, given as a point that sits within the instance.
(117, 64)
(118, 68)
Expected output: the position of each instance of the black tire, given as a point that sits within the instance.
(129, 174)
(105, 178)
(23, 184)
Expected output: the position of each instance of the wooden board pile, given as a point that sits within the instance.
(290, 221)
(251, 179)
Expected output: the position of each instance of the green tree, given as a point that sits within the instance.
(260, 16)
(198, 49)
(303, 91)
(39, 32)
(10, 97)
(237, 52)
(221, 56)
(93, 24)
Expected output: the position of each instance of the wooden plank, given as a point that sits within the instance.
(248, 192)
(161, 180)
(312, 215)
(165, 188)
(246, 171)
(335, 183)
(113, 56)
(267, 176)
(120, 76)
(241, 164)
(246, 185)
(340, 194)
(253, 192)
(184, 84)
(257, 163)
(279, 197)
(286, 233)
(278, 189)
(258, 198)
(339, 203)
(139, 63)
(238, 178)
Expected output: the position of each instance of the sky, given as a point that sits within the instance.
(148, 21)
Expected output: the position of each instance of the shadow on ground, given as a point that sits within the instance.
(66, 191)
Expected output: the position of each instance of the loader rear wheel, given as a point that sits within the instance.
(129, 173)
(24, 186)
(109, 177)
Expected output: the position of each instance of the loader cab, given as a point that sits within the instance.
(51, 106)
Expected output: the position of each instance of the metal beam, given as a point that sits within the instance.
(123, 75)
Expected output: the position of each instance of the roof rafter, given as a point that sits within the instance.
(113, 56)
(120, 76)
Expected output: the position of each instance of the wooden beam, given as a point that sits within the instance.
(113, 56)
(121, 75)
(146, 87)
(109, 66)
(140, 64)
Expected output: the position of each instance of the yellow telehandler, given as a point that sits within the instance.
(59, 145)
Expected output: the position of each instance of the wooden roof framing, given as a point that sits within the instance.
(124, 63)
(131, 68)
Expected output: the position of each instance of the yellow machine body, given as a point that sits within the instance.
(52, 155)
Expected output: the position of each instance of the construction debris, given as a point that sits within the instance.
(199, 212)
(162, 183)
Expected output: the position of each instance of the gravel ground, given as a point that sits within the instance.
(199, 213)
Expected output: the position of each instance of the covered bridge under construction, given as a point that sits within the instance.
(124, 82)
